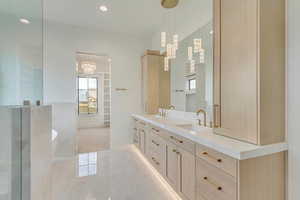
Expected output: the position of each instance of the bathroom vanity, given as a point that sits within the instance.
(235, 82)
(200, 165)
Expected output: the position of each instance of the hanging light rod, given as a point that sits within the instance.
(169, 3)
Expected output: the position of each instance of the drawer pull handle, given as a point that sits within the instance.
(143, 131)
(155, 143)
(135, 129)
(175, 151)
(217, 159)
(154, 160)
(155, 130)
(143, 123)
(216, 118)
(177, 140)
(212, 183)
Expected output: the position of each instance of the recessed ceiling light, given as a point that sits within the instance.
(24, 21)
(103, 8)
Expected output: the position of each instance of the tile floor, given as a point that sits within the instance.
(97, 173)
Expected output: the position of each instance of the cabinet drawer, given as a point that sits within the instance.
(135, 122)
(158, 161)
(142, 124)
(181, 142)
(218, 159)
(213, 183)
(157, 131)
(157, 143)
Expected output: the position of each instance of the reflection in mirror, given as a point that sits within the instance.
(87, 164)
(185, 42)
(192, 75)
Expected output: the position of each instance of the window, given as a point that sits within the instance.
(192, 84)
(87, 95)
(87, 164)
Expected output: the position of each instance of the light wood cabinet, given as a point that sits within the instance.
(180, 171)
(187, 174)
(249, 70)
(218, 159)
(213, 183)
(139, 135)
(197, 172)
(172, 174)
(155, 83)
(261, 178)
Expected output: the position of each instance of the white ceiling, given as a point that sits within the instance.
(125, 16)
(135, 17)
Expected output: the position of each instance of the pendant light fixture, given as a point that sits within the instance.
(88, 67)
(169, 42)
(196, 49)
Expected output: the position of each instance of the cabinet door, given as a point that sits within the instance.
(152, 84)
(239, 69)
(164, 84)
(187, 174)
(172, 165)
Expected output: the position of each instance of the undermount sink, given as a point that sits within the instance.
(192, 127)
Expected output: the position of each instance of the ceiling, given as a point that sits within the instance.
(125, 16)
(135, 17)
(141, 18)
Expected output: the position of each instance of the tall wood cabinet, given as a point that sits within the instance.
(155, 83)
(249, 70)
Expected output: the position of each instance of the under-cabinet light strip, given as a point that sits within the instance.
(157, 175)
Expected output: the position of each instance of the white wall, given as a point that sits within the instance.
(294, 98)
(61, 44)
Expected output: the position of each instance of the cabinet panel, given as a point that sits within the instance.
(172, 165)
(238, 77)
(187, 173)
(155, 83)
(249, 70)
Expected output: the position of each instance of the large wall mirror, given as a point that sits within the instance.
(188, 30)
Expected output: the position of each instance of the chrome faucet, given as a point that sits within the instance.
(204, 116)
(171, 107)
(163, 112)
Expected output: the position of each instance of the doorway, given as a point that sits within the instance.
(93, 102)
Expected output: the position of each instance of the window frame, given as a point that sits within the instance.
(97, 94)
(189, 84)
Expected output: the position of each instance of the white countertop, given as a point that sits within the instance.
(234, 148)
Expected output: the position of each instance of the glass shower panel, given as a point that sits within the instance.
(21, 51)
(21, 78)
